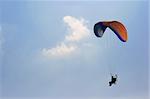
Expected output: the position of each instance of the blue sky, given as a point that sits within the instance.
(48, 50)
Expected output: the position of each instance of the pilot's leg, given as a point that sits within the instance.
(110, 83)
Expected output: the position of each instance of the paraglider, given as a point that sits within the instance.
(113, 80)
(117, 27)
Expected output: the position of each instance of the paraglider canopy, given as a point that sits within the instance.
(117, 27)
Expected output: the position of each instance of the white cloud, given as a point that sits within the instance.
(77, 31)
(59, 50)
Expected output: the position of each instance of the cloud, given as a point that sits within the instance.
(59, 50)
(77, 31)
(77, 28)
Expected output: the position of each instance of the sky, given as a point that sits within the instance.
(48, 50)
